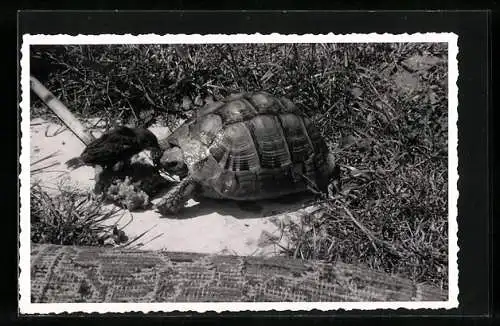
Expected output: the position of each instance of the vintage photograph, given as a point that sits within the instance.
(238, 172)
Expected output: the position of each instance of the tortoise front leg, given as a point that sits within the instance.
(176, 197)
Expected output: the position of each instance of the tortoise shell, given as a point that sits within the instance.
(252, 146)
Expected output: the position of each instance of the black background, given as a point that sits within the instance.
(475, 123)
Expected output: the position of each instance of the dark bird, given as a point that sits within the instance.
(115, 146)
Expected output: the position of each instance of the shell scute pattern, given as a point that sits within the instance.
(209, 108)
(236, 111)
(296, 135)
(269, 140)
(236, 150)
(262, 147)
(266, 104)
(206, 128)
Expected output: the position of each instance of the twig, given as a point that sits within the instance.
(56, 171)
(126, 245)
(389, 116)
(333, 106)
(59, 130)
(140, 236)
(367, 232)
(45, 158)
(146, 94)
(132, 110)
(370, 235)
(64, 63)
(38, 170)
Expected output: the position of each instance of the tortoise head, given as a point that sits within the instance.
(172, 161)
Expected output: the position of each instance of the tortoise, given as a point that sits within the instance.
(246, 147)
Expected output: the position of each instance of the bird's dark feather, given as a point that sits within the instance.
(75, 163)
(117, 145)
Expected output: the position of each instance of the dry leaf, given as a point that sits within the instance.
(186, 103)
(198, 101)
(421, 62)
(348, 141)
(356, 92)
(406, 81)
(370, 117)
(433, 98)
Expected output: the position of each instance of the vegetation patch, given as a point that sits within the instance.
(382, 108)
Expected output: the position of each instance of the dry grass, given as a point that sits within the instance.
(67, 216)
(381, 107)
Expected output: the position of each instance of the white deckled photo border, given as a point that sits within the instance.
(25, 305)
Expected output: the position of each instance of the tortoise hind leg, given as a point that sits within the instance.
(333, 185)
(176, 197)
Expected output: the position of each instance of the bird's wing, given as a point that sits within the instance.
(98, 141)
(125, 132)
(119, 135)
(111, 145)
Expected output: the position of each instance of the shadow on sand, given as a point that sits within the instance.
(245, 209)
(146, 178)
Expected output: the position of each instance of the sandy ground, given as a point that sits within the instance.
(209, 226)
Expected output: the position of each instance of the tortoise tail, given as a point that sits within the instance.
(75, 163)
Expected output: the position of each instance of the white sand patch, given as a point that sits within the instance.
(210, 226)
(56, 141)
